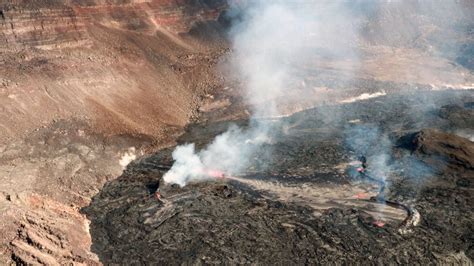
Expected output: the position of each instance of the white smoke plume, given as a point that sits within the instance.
(228, 154)
(269, 41)
(279, 47)
(128, 157)
(276, 39)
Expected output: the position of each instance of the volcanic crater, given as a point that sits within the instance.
(366, 157)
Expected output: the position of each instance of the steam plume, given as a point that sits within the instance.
(273, 41)
(229, 153)
(268, 40)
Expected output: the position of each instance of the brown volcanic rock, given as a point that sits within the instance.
(41, 27)
(50, 24)
(175, 16)
(51, 233)
(435, 145)
(121, 65)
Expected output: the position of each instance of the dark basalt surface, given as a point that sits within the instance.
(229, 222)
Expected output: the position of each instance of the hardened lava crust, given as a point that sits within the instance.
(275, 212)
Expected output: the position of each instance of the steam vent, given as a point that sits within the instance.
(209, 132)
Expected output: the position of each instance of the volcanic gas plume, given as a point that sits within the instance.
(229, 153)
(269, 41)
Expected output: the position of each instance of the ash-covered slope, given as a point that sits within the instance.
(121, 65)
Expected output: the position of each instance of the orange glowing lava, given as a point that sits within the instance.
(379, 223)
(361, 196)
(215, 173)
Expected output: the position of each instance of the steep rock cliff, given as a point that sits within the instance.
(113, 63)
